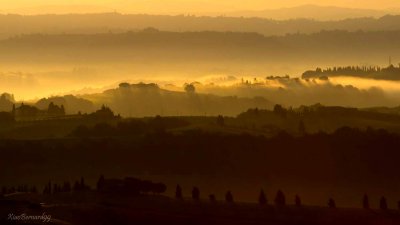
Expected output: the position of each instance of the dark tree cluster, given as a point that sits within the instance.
(280, 199)
(18, 189)
(262, 199)
(55, 110)
(129, 185)
(229, 197)
(331, 203)
(103, 114)
(360, 71)
(65, 187)
(26, 111)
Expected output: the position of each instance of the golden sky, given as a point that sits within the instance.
(178, 6)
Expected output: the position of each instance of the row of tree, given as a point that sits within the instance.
(279, 201)
(138, 186)
(66, 187)
(129, 185)
(20, 188)
(353, 70)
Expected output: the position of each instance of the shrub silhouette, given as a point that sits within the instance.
(196, 194)
(178, 192)
(280, 199)
(56, 189)
(262, 199)
(331, 203)
(229, 197)
(100, 182)
(77, 186)
(190, 88)
(297, 201)
(365, 202)
(280, 110)
(66, 187)
(33, 189)
(212, 198)
(383, 204)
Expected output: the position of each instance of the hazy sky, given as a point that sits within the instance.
(179, 6)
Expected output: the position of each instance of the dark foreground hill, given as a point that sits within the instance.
(95, 209)
(345, 164)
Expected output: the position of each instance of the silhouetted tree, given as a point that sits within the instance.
(297, 201)
(196, 193)
(365, 202)
(55, 110)
(178, 192)
(49, 188)
(66, 187)
(331, 203)
(77, 186)
(33, 189)
(103, 114)
(45, 190)
(212, 198)
(280, 199)
(82, 184)
(190, 88)
(100, 183)
(279, 110)
(229, 197)
(262, 199)
(55, 188)
(383, 204)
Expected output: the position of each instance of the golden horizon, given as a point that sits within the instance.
(175, 6)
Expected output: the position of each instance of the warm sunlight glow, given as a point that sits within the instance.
(175, 6)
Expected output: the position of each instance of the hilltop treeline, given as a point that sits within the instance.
(97, 23)
(315, 118)
(388, 73)
(208, 45)
(295, 121)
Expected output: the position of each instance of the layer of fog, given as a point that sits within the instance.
(250, 82)
(343, 91)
